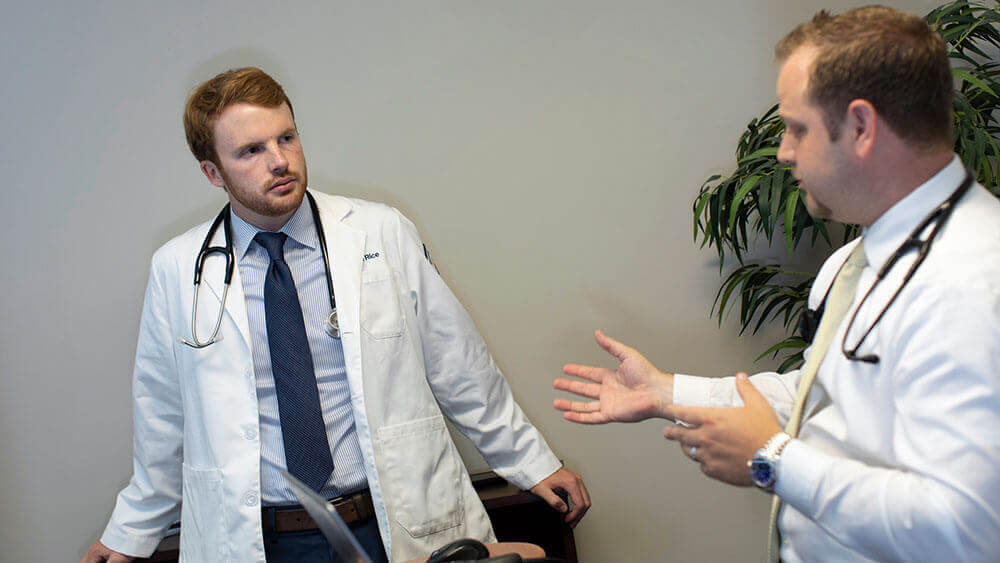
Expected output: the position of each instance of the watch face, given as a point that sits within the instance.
(762, 473)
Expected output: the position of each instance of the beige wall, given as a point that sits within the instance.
(548, 151)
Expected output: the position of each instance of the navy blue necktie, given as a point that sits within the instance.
(307, 450)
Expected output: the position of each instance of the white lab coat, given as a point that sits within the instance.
(411, 353)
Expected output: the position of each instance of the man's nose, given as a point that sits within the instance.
(785, 153)
(279, 163)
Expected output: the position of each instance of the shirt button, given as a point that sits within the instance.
(250, 499)
(250, 434)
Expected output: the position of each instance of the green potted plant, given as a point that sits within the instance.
(760, 200)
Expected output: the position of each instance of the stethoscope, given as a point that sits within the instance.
(332, 325)
(809, 321)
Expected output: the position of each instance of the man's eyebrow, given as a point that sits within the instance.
(245, 146)
(249, 144)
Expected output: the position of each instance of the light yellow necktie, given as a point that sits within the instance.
(840, 299)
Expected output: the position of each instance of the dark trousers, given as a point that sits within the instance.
(309, 546)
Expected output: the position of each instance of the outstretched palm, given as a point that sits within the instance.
(635, 391)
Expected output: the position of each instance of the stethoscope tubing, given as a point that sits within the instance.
(331, 327)
(939, 217)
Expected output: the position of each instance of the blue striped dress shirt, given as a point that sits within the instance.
(304, 258)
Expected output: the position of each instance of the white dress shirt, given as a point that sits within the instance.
(899, 460)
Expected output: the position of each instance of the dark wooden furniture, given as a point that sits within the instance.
(520, 516)
(517, 516)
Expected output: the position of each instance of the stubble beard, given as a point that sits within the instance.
(257, 201)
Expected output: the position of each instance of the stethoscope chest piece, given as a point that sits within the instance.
(333, 325)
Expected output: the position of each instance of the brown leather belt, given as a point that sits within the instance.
(356, 507)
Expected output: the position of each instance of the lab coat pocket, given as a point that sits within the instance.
(203, 521)
(381, 315)
(423, 476)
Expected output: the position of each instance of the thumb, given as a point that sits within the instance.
(549, 496)
(610, 345)
(750, 395)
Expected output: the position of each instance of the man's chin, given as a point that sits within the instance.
(815, 208)
(283, 204)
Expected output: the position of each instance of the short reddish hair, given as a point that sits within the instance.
(892, 59)
(242, 85)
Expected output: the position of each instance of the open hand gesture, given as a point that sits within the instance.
(635, 391)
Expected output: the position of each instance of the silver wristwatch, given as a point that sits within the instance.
(764, 465)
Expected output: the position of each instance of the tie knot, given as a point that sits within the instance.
(273, 243)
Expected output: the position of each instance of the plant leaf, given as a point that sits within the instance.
(964, 75)
(790, 205)
(745, 188)
(766, 151)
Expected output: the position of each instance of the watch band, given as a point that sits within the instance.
(764, 465)
(773, 447)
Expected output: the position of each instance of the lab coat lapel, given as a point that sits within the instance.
(346, 248)
(214, 275)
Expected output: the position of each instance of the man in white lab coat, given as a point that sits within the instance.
(209, 439)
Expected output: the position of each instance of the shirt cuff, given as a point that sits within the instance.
(692, 391)
(799, 473)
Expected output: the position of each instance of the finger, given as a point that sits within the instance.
(689, 436)
(591, 390)
(584, 492)
(688, 416)
(685, 450)
(578, 514)
(610, 345)
(748, 392)
(576, 406)
(585, 418)
(550, 497)
(594, 374)
(579, 503)
(580, 508)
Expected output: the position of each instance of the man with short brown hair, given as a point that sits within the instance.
(340, 368)
(884, 446)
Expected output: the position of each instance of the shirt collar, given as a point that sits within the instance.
(889, 231)
(299, 228)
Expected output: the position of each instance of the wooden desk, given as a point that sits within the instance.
(517, 516)
(520, 516)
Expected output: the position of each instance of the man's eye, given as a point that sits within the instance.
(288, 137)
(251, 150)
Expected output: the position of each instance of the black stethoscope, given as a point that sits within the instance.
(332, 325)
(809, 321)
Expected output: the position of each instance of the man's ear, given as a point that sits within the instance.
(861, 127)
(212, 172)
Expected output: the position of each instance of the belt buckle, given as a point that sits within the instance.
(342, 502)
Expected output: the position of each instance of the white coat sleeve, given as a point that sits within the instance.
(466, 382)
(151, 501)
